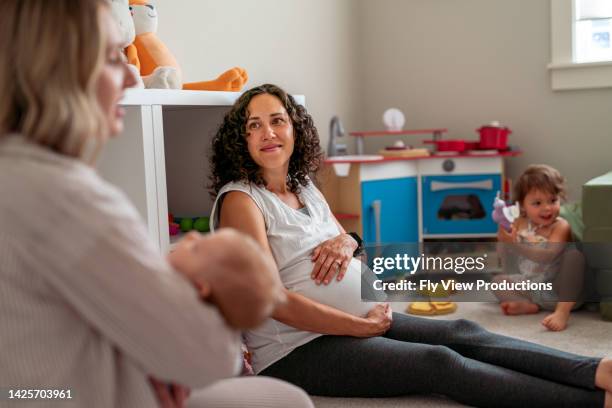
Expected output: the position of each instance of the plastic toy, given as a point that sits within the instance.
(152, 54)
(504, 214)
(431, 308)
(186, 224)
(174, 228)
(202, 224)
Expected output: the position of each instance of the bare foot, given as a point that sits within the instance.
(556, 321)
(603, 376)
(519, 308)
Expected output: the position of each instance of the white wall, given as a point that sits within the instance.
(444, 63)
(460, 64)
(306, 47)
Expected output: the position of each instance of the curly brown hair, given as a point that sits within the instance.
(231, 160)
(539, 177)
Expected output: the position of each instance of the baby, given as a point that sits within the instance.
(543, 253)
(229, 270)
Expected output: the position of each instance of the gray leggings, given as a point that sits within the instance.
(456, 358)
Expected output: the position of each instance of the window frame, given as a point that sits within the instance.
(565, 73)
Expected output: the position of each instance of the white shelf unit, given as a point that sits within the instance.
(161, 161)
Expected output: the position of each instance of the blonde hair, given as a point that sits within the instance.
(539, 177)
(52, 53)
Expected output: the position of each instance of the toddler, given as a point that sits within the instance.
(543, 255)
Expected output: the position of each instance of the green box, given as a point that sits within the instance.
(605, 308)
(597, 234)
(597, 202)
(603, 280)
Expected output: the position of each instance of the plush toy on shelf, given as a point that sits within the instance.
(504, 214)
(152, 54)
(121, 12)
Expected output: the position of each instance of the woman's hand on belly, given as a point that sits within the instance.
(332, 257)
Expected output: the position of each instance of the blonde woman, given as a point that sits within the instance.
(89, 311)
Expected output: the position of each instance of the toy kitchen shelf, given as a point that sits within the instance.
(437, 134)
(161, 161)
(411, 199)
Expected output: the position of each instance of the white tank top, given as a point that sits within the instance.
(292, 235)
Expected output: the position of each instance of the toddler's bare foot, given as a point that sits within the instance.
(603, 377)
(556, 321)
(519, 308)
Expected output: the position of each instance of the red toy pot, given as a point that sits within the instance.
(450, 145)
(493, 137)
(472, 145)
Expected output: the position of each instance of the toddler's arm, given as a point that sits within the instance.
(560, 235)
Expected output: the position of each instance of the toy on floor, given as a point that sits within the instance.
(504, 214)
(431, 308)
(440, 292)
(154, 58)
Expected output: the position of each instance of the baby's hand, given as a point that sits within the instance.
(514, 231)
(503, 235)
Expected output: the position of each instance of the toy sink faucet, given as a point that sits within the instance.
(336, 130)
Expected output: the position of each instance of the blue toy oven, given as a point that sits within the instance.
(459, 204)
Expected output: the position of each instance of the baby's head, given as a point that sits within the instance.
(539, 192)
(232, 272)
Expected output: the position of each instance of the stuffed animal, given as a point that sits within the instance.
(153, 53)
(120, 10)
(161, 71)
(504, 214)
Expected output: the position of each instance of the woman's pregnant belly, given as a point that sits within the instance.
(344, 295)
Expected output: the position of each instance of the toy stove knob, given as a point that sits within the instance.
(448, 165)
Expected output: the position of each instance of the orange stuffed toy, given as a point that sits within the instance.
(152, 53)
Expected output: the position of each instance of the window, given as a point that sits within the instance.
(592, 28)
(581, 32)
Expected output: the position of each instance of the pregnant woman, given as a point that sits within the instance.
(324, 339)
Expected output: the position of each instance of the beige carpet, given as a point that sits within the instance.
(587, 334)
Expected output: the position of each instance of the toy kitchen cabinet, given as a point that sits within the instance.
(161, 161)
(402, 200)
(376, 199)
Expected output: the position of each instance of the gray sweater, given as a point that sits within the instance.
(86, 301)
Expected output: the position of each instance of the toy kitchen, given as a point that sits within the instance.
(404, 195)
